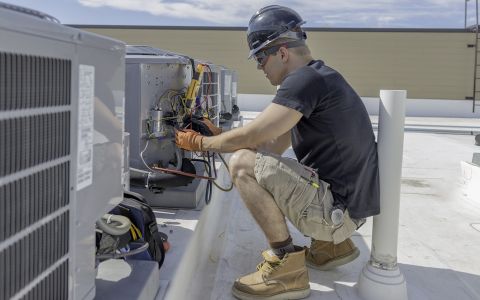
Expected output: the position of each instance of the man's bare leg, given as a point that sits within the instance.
(259, 201)
(281, 276)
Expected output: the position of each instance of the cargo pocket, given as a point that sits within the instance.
(345, 230)
(315, 221)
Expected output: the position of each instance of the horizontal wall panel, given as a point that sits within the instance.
(429, 64)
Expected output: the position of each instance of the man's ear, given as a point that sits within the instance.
(284, 53)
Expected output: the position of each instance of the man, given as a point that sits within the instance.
(333, 186)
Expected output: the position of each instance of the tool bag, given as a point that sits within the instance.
(144, 227)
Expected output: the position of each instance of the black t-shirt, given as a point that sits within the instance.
(334, 136)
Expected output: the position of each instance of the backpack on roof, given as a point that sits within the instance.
(144, 228)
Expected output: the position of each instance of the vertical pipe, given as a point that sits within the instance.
(466, 13)
(390, 152)
(475, 72)
(381, 276)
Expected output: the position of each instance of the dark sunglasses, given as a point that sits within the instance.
(261, 56)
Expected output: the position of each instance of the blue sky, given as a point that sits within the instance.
(317, 13)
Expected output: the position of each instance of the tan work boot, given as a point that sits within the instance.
(275, 279)
(326, 255)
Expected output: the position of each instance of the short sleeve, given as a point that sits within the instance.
(301, 90)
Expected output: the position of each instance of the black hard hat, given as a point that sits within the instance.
(271, 23)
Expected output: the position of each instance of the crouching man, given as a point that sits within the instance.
(332, 186)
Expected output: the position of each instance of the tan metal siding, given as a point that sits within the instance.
(436, 65)
(426, 64)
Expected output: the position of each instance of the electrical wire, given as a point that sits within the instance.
(176, 99)
(222, 188)
(169, 95)
(141, 156)
(223, 160)
(214, 167)
(215, 172)
(208, 190)
(211, 180)
(231, 183)
(209, 183)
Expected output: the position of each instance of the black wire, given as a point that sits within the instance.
(224, 162)
(214, 167)
(211, 188)
(208, 160)
(200, 160)
(209, 183)
(231, 183)
(208, 191)
(213, 181)
(206, 194)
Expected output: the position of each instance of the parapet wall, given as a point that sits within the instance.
(429, 64)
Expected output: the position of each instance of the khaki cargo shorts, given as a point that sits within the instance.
(307, 207)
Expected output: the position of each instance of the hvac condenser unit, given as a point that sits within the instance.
(153, 76)
(235, 108)
(226, 95)
(229, 111)
(156, 84)
(61, 107)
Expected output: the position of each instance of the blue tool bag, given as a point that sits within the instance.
(143, 229)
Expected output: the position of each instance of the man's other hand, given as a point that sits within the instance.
(202, 125)
(188, 139)
(213, 129)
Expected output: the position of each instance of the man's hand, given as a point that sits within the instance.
(188, 139)
(202, 125)
(213, 129)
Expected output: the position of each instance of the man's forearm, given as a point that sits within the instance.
(229, 141)
(273, 122)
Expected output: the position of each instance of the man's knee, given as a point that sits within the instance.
(242, 163)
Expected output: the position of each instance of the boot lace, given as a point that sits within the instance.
(268, 266)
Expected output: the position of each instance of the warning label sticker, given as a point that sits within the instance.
(86, 96)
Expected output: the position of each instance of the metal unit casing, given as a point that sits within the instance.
(226, 90)
(61, 123)
(234, 88)
(235, 107)
(150, 73)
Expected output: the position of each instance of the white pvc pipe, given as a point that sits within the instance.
(390, 153)
(381, 276)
